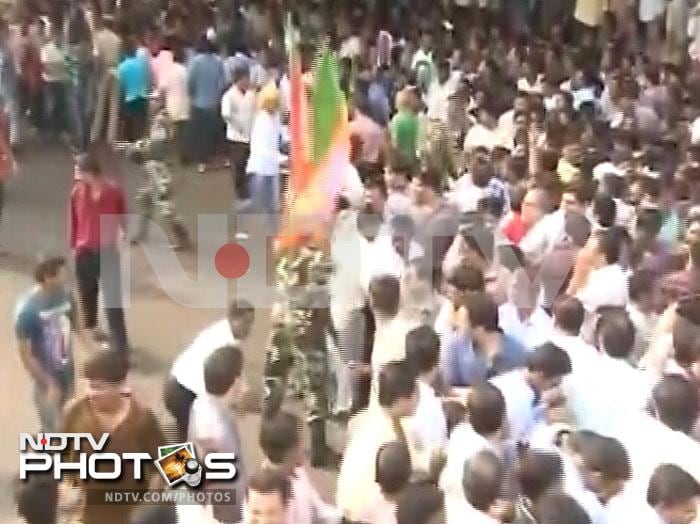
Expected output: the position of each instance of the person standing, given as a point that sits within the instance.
(133, 75)
(8, 85)
(45, 321)
(238, 111)
(7, 164)
(265, 156)
(107, 49)
(97, 215)
(172, 87)
(109, 406)
(55, 76)
(206, 82)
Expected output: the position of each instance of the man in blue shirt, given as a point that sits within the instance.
(481, 351)
(134, 82)
(44, 322)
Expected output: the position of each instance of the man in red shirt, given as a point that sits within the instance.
(7, 162)
(97, 217)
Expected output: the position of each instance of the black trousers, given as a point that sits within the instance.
(239, 158)
(178, 401)
(95, 267)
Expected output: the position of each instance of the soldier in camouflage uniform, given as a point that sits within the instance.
(297, 356)
(157, 189)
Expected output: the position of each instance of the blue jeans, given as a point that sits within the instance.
(49, 410)
(265, 193)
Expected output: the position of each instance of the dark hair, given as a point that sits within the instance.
(482, 479)
(423, 349)
(486, 408)
(569, 314)
(271, 480)
(676, 402)
(240, 308)
(89, 163)
(550, 360)
(604, 207)
(608, 457)
(641, 283)
(483, 312)
(222, 368)
(279, 435)
(454, 414)
(537, 473)
(418, 503)
(670, 485)
(48, 268)
(480, 240)
(109, 365)
(431, 178)
(385, 291)
(376, 182)
(616, 333)
(240, 71)
(556, 508)
(649, 221)
(37, 499)
(609, 244)
(393, 467)
(397, 380)
(467, 277)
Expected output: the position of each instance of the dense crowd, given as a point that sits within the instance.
(505, 319)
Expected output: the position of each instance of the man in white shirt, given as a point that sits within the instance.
(484, 430)
(483, 480)
(187, 374)
(606, 285)
(545, 234)
(213, 427)
(521, 317)
(428, 426)
(282, 442)
(621, 389)
(580, 395)
(392, 251)
(522, 389)
(440, 91)
(238, 111)
(398, 397)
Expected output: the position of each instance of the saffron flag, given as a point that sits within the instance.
(319, 150)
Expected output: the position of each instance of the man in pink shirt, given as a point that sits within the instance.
(369, 131)
(97, 215)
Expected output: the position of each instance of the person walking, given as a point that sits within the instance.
(238, 111)
(44, 323)
(206, 83)
(97, 215)
(134, 79)
(265, 154)
(107, 49)
(7, 164)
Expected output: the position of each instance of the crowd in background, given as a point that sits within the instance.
(520, 340)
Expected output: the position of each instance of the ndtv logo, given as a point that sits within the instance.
(46, 452)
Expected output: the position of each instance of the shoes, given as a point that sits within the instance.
(201, 169)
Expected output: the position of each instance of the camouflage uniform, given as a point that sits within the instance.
(157, 189)
(297, 355)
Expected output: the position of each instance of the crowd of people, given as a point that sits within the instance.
(506, 316)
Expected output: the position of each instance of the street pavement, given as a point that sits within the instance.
(34, 223)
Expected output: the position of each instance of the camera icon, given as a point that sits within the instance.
(193, 473)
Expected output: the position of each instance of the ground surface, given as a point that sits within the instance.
(34, 222)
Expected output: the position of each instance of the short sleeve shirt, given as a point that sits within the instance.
(46, 321)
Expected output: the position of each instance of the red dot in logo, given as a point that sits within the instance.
(232, 261)
(43, 442)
